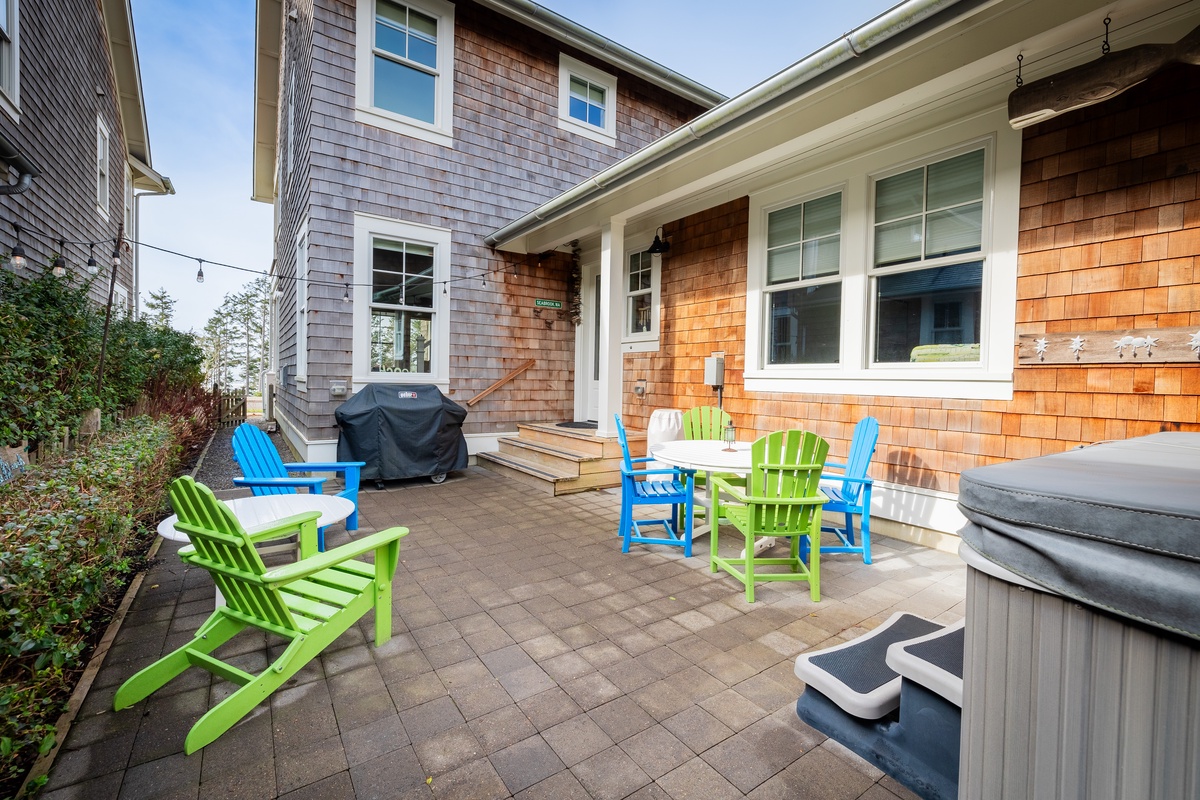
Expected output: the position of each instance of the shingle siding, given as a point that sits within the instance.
(60, 100)
(508, 156)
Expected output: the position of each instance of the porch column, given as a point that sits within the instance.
(612, 242)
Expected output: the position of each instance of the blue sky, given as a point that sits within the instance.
(197, 62)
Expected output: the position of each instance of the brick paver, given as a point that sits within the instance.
(530, 658)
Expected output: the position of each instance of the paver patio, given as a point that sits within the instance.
(531, 658)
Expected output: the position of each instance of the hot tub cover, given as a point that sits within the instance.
(402, 431)
(1114, 525)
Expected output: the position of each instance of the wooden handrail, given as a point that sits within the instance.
(515, 372)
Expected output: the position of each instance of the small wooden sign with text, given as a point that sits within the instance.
(1139, 346)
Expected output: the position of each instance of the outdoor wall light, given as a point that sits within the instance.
(639, 387)
(659, 245)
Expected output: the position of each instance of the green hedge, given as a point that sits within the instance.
(69, 532)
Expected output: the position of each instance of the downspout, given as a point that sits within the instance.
(735, 111)
(26, 171)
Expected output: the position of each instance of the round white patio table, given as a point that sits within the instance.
(709, 456)
(258, 512)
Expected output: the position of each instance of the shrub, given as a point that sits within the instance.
(69, 532)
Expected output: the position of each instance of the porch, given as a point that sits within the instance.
(531, 659)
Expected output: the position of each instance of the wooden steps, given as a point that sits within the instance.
(560, 460)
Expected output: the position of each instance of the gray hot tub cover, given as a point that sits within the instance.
(1114, 525)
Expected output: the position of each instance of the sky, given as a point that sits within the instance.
(197, 66)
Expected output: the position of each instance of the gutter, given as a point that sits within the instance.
(559, 27)
(26, 171)
(730, 114)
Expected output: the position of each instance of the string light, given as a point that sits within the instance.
(346, 294)
(116, 256)
(60, 265)
(92, 266)
(200, 272)
(18, 253)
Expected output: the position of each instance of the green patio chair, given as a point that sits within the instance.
(780, 499)
(706, 423)
(309, 603)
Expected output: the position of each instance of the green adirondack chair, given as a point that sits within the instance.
(780, 499)
(706, 423)
(310, 602)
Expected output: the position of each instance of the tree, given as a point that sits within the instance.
(160, 309)
(236, 338)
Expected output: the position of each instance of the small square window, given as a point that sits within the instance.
(586, 100)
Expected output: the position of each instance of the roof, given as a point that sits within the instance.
(122, 46)
(918, 65)
(269, 18)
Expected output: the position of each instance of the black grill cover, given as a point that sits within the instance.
(402, 431)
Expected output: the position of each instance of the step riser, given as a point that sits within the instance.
(561, 463)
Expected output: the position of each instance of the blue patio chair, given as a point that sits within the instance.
(850, 492)
(674, 488)
(266, 473)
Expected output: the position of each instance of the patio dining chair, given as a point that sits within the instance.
(781, 498)
(673, 487)
(309, 603)
(266, 473)
(849, 491)
(707, 423)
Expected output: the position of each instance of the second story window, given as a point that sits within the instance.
(102, 167)
(405, 67)
(9, 73)
(586, 100)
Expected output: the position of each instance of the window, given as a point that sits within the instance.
(10, 72)
(586, 100)
(102, 168)
(642, 278)
(405, 67)
(302, 308)
(927, 298)
(890, 272)
(804, 288)
(401, 314)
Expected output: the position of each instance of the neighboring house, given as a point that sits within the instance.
(73, 138)
(392, 136)
(867, 232)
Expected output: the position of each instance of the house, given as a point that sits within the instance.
(977, 221)
(74, 140)
(392, 137)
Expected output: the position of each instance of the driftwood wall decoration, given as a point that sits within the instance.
(1141, 346)
(1097, 81)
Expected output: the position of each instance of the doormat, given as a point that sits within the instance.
(590, 426)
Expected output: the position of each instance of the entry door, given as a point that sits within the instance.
(593, 352)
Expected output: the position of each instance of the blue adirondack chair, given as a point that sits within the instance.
(266, 473)
(850, 492)
(675, 489)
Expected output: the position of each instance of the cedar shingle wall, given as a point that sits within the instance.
(1110, 239)
(64, 60)
(509, 155)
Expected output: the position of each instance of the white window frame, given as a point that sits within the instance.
(368, 228)
(10, 61)
(855, 374)
(103, 168)
(567, 67)
(302, 301)
(441, 132)
(645, 341)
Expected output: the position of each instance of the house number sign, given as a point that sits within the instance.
(1139, 346)
(547, 303)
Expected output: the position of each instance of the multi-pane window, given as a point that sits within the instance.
(302, 304)
(102, 167)
(402, 307)
(928, 268)
(639, 287)
(405, 61)
(587, 101)
(804, 288)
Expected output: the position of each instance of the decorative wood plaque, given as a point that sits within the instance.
(1139, 346)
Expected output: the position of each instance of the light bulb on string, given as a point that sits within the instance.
(18, 252)
(200, 272)
(92, 266)
(116, 256)
(346, 294)
(60, 264)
